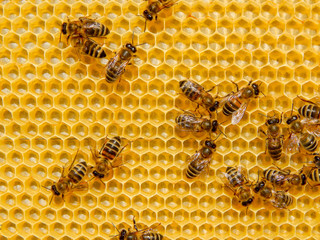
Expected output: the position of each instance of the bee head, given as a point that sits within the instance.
(98, 175)
(292, 119)
(214, 125)
(316, 160)
(272, 121)
(64, 28)
(248, 202)
(303, 179)
(259, 186)
(123, 233)
(214, 107)
(131, 47)
(210, 144)
(255, 89)
(55, 190)
(147, 15)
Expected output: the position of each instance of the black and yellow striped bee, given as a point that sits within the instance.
(154, 7)
(199, 162)
(298, 137)
(85, 27)
(105, 158)
(197, 94)
(282, 179)
(144, 234)
(281, 199)
(72, 181)
(236, 180)
(189, 122)
(261, 188)
(310, 111)
(274, 140)
(235, 104)
(88, 46)
(116, 66)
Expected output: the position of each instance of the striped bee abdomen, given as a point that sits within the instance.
(152, 236)
(78, 172)
(231, 106)
(309, 142)
(112, 148)
(93, 49)
(310, 111)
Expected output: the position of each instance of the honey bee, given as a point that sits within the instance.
(237, 103)
(154, 7)
(281, 200)
(274, 140)
(88, 46)
(105, 158)
(144, 234)
(116, 66)
(298, 137)
(310, 111)
(283, 180)
(261, 188)
(200, 161)
(83, 27)
(196, 93)
(189, 122)
(235, 179)
(71, 181)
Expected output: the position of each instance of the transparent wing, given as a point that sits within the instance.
(122, 67)
(291, 144)
(312, 126)
(190, 123)
(237, 115)
(80, 187)
(112, 62)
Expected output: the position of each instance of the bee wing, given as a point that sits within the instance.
(189, 124)
(291, 144)
(112, 62)
(312, 126)
(237, 115)
(80, 187)
(122, 67)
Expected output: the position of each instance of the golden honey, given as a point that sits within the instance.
(52, 103)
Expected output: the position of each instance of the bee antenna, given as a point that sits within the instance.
(249, 82)
(141, 44)
(115, 227)
(218, 136)
(222, 133)
(46, 187)
(263, 115)
(132, 37)
(262, 93)
(51, 200)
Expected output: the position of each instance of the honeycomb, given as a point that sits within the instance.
(53, 103)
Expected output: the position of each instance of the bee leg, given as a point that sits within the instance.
(305, 100)
(197, 108)
(102, 182)
(209, 90)
(266, 146)
(156, 17)
(237, 87)
(134, 224)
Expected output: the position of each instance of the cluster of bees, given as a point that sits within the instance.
(302, 132)
(274, 183)
(80, 33)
